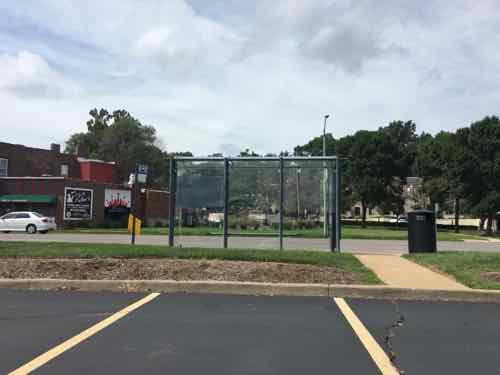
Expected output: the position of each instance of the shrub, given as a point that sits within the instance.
(253, 224)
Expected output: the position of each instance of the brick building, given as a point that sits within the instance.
(47, 181)
(41, 180)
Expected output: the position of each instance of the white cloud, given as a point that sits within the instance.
(26, 74)
(211, 84)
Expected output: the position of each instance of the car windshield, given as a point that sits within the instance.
(37, 214)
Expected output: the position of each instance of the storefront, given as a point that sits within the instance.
(41, 203)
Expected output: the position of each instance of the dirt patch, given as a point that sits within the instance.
(491, 276)
(168, 269)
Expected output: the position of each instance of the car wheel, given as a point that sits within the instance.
(31, 229)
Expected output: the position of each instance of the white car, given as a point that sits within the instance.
(30, 222)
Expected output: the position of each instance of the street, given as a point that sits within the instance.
(220, 334)
(348, 245)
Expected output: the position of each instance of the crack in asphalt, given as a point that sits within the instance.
(391, 333)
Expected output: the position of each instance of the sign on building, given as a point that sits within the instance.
(77, 203)
(117, 202)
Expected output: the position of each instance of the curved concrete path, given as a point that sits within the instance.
(399, 272)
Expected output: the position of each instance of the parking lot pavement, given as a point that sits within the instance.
(437, 337)
(219, 334)
(348, 245)
(216, 334)
(33, 322)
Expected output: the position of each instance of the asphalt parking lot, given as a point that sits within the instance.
(221, 334)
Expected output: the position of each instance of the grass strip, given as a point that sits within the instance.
(478, 270)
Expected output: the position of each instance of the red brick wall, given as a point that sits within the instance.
(35, 162)
(155, 206)
(96, 171)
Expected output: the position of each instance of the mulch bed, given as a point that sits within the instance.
(172, 269)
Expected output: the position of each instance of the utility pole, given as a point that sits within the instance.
(325, 178)
(133, 185)
(298, 193)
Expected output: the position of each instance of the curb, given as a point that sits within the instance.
(254, 288)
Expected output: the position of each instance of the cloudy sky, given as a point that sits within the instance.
(221, 76)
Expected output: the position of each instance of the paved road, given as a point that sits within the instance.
(369, 246)
(217, 334)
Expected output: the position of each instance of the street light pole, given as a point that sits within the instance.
(325, 177)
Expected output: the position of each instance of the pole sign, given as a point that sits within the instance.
(142, 173)
(77, 204)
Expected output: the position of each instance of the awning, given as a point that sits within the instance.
(21, 198)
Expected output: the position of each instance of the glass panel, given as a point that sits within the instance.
(200, 197)
(254, 199)
(307, 200)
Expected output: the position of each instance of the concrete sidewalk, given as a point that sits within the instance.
(397, 271)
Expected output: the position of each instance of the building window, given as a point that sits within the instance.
(4, 167)
(65, 170)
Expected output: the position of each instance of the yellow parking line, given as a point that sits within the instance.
(378, 355)
(75, 340)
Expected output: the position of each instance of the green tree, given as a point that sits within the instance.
(121, 138)
(96, 127)
(440, 162)
(315, 146)
(365, 167)
(480, 174)
(379, 162)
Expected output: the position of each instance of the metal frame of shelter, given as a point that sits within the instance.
(334, 210)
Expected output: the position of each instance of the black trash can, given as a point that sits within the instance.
(422, 231)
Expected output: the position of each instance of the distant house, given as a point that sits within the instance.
(412, 196)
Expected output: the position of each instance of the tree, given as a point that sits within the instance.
(379, 162)
(440, 162)
(121, 138)
(315, 146)
(480, 175)
(365, 167)
(399, 150)
(96, 127)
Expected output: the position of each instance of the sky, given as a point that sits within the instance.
(223, 76)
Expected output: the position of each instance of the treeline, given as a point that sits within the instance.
(460, 170)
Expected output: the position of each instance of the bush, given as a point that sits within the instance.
(289, 225)
(301, 224)
(233, 222)
(309, 224)
(253, 224)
